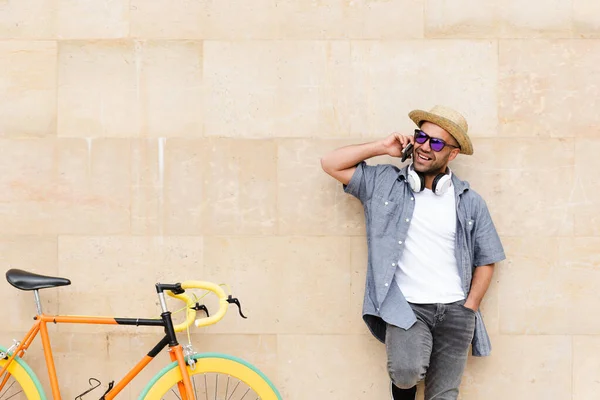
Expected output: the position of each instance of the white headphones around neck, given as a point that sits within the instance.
(440, 185)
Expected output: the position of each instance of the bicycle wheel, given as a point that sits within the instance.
(215, 377)
(22, 382)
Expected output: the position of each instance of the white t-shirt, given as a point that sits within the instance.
(427, 270)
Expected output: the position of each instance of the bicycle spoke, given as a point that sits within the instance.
(8, 390)
(227, 387)
(222, 387)
(206, 386)
(245, 394)
(216, 385)
(234, 389)
(173, 390)
(14, 395)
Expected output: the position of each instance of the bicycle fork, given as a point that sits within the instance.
(186, 390)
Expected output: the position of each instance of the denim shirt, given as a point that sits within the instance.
(389, 204)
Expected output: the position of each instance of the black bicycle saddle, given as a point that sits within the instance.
(29, 281)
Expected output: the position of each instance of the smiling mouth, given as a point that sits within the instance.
(423, 158)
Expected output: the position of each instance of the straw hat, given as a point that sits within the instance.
(448, 119)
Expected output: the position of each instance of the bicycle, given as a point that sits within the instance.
(179, 378)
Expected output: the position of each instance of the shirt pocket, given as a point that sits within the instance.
(383, 214)
(383, 206)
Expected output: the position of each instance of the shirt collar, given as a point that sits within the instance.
(460, 186)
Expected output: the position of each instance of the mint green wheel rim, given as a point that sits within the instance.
(209, 355)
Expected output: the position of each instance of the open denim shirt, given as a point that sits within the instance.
(389, 204)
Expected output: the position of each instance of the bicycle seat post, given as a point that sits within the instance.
(38, 303)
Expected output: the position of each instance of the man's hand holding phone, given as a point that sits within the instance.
(396, 144)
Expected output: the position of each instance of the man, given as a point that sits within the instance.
(432, 249)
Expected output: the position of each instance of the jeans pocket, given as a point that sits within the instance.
(468, 309)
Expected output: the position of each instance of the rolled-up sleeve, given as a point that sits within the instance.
(487, 245)
(362, 183)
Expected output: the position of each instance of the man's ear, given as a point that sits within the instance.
(453, 154)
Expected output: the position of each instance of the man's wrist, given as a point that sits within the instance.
(379, 148)
(472, 304)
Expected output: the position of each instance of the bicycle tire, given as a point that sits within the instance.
(212, 363)
(25, 377)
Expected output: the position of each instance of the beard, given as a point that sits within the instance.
(435, 165)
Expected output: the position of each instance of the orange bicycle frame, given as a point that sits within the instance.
(40, 326)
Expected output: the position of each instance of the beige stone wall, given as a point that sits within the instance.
(146, 140)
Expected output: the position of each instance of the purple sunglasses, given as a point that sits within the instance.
(435, 143)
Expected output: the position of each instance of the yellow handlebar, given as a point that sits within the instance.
(191, 313)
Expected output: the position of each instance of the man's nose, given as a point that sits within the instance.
(426, 147)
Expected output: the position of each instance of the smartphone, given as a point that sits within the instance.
(407, 152)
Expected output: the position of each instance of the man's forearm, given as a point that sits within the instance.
(479, 285)
(348, 156)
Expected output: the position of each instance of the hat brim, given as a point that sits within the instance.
(420, 116)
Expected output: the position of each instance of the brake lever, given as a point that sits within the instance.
(201, 307)
(231, 300)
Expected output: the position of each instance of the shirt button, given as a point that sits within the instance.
(386, 203)
(393, 264)
(386, 284)
(407, 219)
(400, 242)
(377, 308)
(470, 222)
(412, 199)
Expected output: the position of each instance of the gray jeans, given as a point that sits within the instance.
(435, 348)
